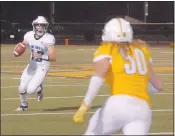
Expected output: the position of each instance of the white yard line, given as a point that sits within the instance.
(68, 113)
(167, 52)
(156, 62)
(68, 97)
(162, 63)
(161, 74)
(66, 85)
(66, 70)
(159, 133)
(170, 74)
(20, 78)
(162, 133)
(3, 66)
(162, 60)
(47, 85)
(65, 77)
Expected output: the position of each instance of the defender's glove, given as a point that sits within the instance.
(79, 115)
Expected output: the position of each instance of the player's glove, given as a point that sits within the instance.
(79, 115)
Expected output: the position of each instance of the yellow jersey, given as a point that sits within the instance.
(128, 74)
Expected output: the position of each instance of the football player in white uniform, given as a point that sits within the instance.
(42, 49)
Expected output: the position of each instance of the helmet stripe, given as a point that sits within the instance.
(120, 25)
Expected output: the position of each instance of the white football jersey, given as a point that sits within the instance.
(39, 46)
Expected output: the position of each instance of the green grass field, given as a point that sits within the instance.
(64, 88)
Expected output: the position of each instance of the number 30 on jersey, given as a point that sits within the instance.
(136, 65)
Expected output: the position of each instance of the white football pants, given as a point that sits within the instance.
(32, 77)
(128, 113)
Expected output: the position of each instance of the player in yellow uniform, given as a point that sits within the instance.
(125, 65)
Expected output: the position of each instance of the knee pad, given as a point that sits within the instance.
(39, 89)
(31, 89)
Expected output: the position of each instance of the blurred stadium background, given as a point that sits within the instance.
(68, 78)
(82, 22)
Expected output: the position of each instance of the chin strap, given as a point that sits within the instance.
(38, 36)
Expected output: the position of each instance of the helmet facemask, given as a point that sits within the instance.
(40, 25)
(40, 29)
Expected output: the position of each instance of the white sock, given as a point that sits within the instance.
(23, 99)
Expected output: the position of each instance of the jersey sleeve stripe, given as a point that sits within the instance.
(98, 58)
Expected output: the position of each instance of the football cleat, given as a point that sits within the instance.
(22, 108)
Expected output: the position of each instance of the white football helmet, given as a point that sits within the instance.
(117, 30)
(40, 25)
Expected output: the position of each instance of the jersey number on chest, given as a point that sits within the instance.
(39, 51)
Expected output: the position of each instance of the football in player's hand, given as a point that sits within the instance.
(19, 49)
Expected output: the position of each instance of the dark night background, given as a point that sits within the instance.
(20, 15)
(86, 11)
